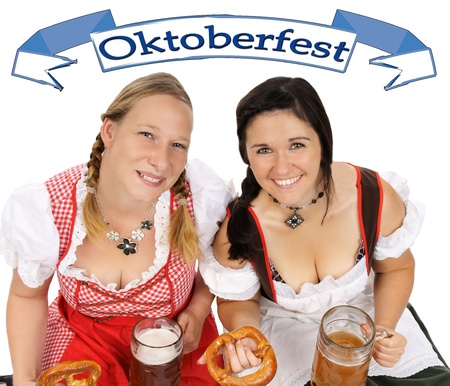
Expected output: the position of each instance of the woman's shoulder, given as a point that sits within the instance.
(344, 174)
(345, 179)
(393, 211)
(348, 176)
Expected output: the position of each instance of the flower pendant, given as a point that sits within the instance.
(113, 235)
(146, 224)
(127, 246)
(137, 235)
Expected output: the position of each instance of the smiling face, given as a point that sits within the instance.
(146, 151)
(284, 154)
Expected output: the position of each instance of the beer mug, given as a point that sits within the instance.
(156, 352)
(344, 347)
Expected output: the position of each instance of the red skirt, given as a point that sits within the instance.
(108, 343)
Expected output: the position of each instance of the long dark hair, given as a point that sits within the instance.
(279, 93)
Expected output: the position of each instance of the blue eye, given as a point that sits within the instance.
(146, 134)
(180, 146)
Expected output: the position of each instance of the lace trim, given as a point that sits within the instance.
(402, 238)
(229, 283)
(162, 219)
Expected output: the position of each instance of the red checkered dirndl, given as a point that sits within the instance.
(164, 294)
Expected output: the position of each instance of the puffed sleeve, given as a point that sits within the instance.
(402, 238)
(229, 283)
(28, 237)
(211, 197)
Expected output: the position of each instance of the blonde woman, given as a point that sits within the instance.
(123, 233)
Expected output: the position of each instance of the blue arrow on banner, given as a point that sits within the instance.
(293, 42)
(409, 55)
(38, 55)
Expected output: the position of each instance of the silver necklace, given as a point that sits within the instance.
(295, 219)
(128, 245)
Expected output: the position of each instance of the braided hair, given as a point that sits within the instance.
(182, 235)
(274, 94)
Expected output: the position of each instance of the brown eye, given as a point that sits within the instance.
(297, 145)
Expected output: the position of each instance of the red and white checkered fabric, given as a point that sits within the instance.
(59, 336)
(162, 295)
(63, 201)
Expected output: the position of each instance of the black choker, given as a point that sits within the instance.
(295, 219)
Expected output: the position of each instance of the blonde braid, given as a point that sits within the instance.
(182, 234)
(95, 226)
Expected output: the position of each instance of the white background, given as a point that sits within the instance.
(44, 131)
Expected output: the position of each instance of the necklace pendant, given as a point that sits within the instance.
(146, 224)
(137, 234)
(294, 221)
(127, 246)
(113, 235)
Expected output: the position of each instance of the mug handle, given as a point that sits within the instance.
(382, 334)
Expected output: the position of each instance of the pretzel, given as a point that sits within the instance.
(66, 370)
(265, 351)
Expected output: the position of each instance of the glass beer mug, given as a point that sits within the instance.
(344, 347)
(156, 352)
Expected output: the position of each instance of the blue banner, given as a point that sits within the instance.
(224, 36)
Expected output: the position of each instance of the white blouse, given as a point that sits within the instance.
(29, 238)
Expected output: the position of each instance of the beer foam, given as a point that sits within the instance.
(157, 337)
(159, 346)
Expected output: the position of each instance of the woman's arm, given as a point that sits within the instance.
(394, 277)
(26, 322)
(234, 313)
(394, 280)
(238, 313)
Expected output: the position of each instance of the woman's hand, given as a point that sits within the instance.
(244, 348)
(387, 351)
(192, 326)
(192, 318)
(240, 356)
